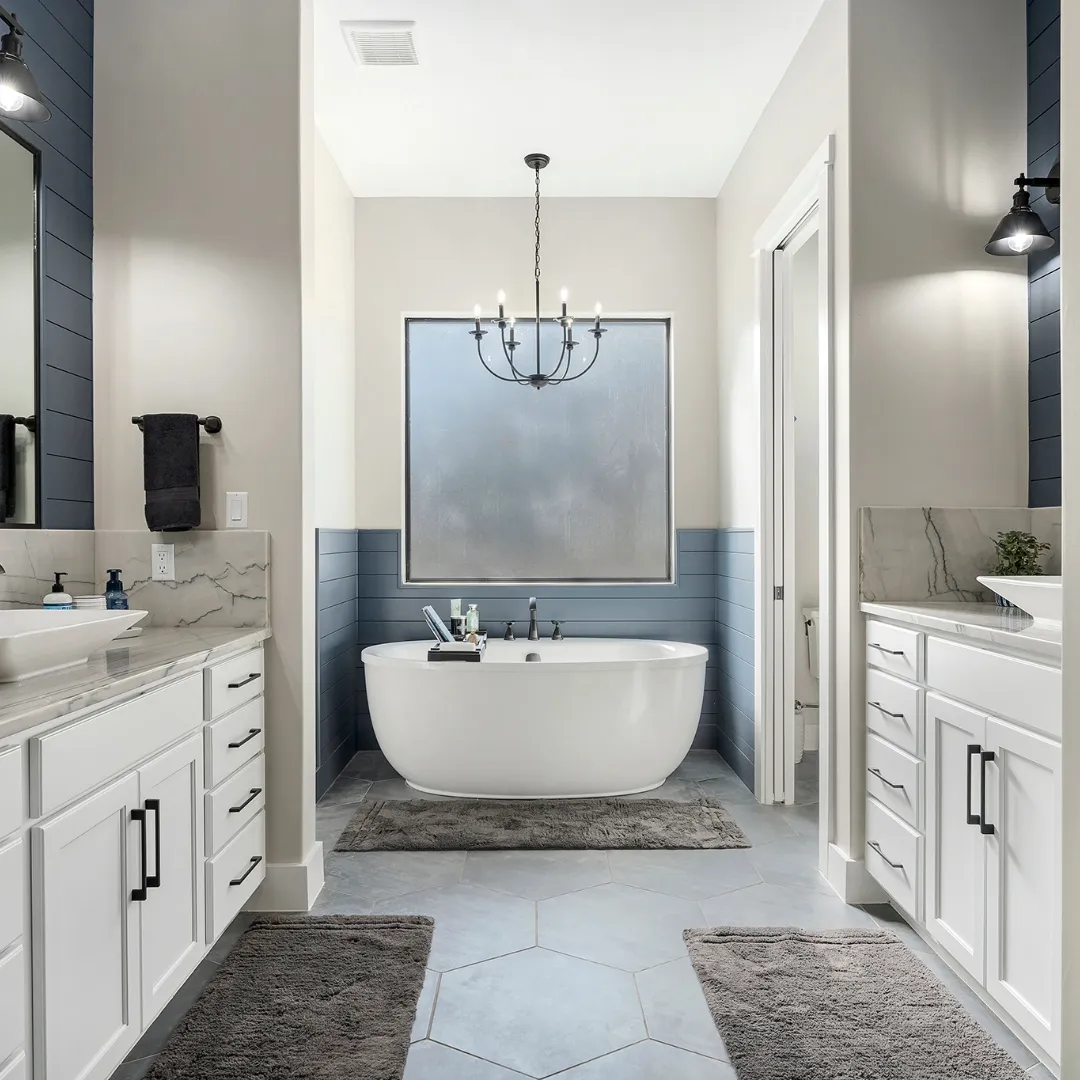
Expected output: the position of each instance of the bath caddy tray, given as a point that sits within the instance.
(458, 655)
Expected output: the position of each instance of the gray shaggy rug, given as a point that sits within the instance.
(529, 824)
(836, 1005)
(331, 997)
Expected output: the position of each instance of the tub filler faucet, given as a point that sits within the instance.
(534, 632)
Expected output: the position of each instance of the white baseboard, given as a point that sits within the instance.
(851, 880)
(291, 886)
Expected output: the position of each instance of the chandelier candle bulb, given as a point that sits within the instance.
(476, 316)
(502, 305)
(564, 295)
(596, 322)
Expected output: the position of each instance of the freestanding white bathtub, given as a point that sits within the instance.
(593, 717)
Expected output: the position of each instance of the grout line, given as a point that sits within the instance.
(434, 1004)
(476, 1057)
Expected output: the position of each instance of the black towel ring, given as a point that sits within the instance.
(212, 424)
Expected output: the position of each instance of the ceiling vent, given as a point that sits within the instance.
(378, 43)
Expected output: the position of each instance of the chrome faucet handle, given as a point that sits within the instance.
(557, 634)
(509, 635)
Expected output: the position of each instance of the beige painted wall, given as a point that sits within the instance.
(1070, 473)
(442, 256)
(197, 285)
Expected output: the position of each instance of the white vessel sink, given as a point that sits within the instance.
(1040, 597)
(36, 641)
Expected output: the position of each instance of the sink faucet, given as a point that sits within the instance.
(534, 633)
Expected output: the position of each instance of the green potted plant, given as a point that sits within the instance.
(1018, 555)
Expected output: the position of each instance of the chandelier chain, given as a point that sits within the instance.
(536, 274)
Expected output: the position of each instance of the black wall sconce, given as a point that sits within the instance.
(1022, 230)
(20, 97)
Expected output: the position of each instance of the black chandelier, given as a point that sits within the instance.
(560, 373)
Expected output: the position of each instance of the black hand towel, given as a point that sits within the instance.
(171, 471)
(7, 466)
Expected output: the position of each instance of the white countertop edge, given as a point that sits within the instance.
(193, 649)
(1005, 628)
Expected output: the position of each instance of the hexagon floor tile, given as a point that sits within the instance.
(618, 925)
(792, 863)
(676, 1011)
(650, 1061)
(702, 765)
(471, 923)
(538, 1011)
(536, 875)
(432, 1061)
(375, 875)
(693, 875)
(775, 905)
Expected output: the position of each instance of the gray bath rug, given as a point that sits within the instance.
(528, 824)
(325, 998)
(836, 1005)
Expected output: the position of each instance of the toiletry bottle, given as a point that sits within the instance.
(115, 597)
(472, 624)
(58, 599)
(457, 623)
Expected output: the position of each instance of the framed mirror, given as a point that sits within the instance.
(20, 170)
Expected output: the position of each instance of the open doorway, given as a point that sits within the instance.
(794, 650)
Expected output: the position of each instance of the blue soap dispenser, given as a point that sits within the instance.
(115, 597)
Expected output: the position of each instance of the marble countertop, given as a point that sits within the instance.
(124, 666)
(1008, 628)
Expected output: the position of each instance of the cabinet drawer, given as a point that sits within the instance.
(12, 1002)
(16, 1069)
(12, 807)
(894, 649)
(12, 883)
(894, 779)
(232, 682)
(234, 874)
(894, 710)
(74, 760)
(894, 857)
(232, 740)
(1013, 689)
(231, 806)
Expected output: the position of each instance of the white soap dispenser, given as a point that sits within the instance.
(57, 599)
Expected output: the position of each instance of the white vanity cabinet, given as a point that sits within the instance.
(112, 917)
(989, 791)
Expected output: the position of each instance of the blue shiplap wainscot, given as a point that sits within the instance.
(338, 663)
(362, 601)
(59, 50)
(1044, 268)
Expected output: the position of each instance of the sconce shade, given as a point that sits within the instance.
(1021, 230)
(20, 97)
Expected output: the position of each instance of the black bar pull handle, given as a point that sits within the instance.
(878, 773)
(243, 682)
(255, 793)
(255, 860)
(984, 826)
(881, 709)
(139, 894)
(153, 881)
(881, 648)
(252, 732)
(972, 750)
(877, 847)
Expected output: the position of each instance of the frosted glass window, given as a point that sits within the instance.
(566, 483)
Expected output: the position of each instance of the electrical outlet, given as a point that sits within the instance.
(162, 564)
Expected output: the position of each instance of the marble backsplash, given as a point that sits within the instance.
(923, 553)
(222, 577)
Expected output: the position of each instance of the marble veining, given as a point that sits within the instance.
(1008, 628)
(30, 557)
(127, 666)
(924, 553)
(222, 576)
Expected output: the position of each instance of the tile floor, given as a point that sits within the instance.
(571, 963)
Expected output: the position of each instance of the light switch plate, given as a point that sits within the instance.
(236, 509)
(162, 562)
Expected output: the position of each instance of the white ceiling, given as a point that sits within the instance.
(629, 97)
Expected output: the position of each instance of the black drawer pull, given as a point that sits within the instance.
(877, 847)
(252, 732)
(984, 826)
(878, 774)
(255, 793)
(881, 709)
(243, 682)
(881, 648)
(972, 750)
(139, 815)
(153, 881)
(255, 860)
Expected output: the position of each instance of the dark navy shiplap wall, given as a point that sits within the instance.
(686, 611)
(1044, 289)
(735, 650)
(59, 50)
(338, 662)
